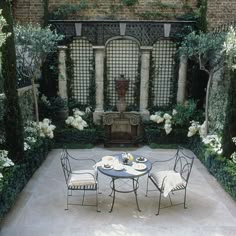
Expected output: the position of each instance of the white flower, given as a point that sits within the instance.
(1, 175)
(76, 120)
(174, 112)
(168, 128)
(193, 128)
(77, 112)
(26, 146)
(167, 116)
(88, 110)
(46, 128)
(214, 141)
(153, 118)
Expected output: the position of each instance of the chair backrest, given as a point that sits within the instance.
(183, 163)
(65, 162)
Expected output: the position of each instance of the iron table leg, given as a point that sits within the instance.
(114, 194)
(135, 193)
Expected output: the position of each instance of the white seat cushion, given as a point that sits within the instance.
(172, 180)
(82, 177)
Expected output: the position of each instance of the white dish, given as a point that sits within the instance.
(119, 167)
(139, 166)
(107, 168)
(108, 158)
(141, 161)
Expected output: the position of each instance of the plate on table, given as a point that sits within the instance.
(118, 167)
(139, 166)
(108, 158)
(141, 159)
(107, 167)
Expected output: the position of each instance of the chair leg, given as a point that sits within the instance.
(83, 198)
(159, 205)
(67, 196)
(185, 193)
(97, 200)
(147, 187)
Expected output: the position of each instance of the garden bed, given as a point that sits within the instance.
(16, 177)
(223, 169)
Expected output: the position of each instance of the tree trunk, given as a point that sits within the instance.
(35, 100)
(12, 116)
(207, 102)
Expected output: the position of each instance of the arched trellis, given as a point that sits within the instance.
(163, 62)
(122, 57)
(82, 58)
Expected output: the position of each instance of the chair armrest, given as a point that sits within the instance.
(80, 159)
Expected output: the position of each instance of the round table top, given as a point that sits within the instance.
(128, 170)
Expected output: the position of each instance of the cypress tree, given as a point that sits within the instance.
(12, 117)
(230, 119)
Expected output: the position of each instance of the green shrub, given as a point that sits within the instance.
(15, 178)
(222, 168)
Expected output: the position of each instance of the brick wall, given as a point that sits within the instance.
(220, 12)
(32, 10)
(28, 11)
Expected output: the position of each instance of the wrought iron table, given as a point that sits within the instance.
(128, 172)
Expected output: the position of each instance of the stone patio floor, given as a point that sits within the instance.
(39, 210)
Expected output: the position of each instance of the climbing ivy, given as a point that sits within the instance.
(63, 11)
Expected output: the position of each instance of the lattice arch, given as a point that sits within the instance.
(82, 56)
(163, 60)
(122, 58)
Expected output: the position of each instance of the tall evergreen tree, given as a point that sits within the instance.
(12, 117)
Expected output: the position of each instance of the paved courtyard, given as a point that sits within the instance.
(39, 210)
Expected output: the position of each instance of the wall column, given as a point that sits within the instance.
(182, 78)
(144, 82)
(99, 52)
(62, 78)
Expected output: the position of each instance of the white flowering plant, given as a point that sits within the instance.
(233, 155)
(4, 161)
(46, 128)
(76, 121)
(179, 117)
(213, 141)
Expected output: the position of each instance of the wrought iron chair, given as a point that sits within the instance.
(79, 179)
(170, 181)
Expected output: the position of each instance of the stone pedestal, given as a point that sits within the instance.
(122, 128)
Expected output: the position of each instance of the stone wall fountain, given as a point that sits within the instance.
(121, 127)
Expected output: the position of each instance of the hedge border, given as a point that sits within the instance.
(15, 178)
(223, 169)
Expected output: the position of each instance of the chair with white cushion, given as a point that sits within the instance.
(176, 179)
(78, 179)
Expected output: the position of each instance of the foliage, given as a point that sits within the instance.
(206, 49)
(218, 100)
(63, 11)
(230, 48)
(15, 178)
(3, 35)
(179, 117)
(67, 136)
(129, 2)
(222, 168)
(33, 43)
(229, 130)
(12, 113)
